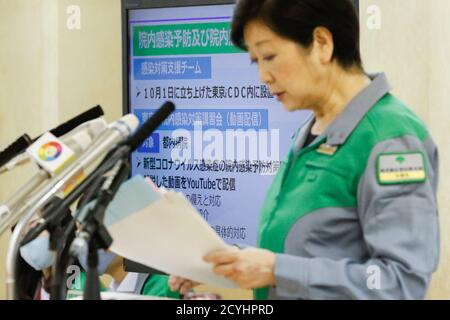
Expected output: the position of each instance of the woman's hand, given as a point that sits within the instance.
(249, 268)
(181, 284)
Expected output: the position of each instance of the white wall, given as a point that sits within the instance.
(439, 122)
(22, 89)
(90, 59)
(49, 74)
(413, 48)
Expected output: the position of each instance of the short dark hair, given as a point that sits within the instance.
(297, 19)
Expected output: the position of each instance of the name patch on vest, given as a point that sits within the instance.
(327, 149)
(401, 168)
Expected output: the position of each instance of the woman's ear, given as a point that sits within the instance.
(323, 44)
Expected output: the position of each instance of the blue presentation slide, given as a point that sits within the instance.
(228, 136)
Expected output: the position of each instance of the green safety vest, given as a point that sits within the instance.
(310, 180)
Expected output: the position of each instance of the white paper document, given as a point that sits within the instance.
(168, 235)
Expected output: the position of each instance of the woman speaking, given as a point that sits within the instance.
(352, 212)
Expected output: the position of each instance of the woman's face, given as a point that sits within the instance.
(293, 74)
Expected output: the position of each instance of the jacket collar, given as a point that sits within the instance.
(342, 127)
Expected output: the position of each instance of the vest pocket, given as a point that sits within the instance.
(329, 185)
(315, 166)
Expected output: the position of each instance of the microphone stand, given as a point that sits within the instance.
(94, 182)
(93, 231)
(63, 258)
(97, 230)
(62, 251)
(119, 153)
(53, 214)
(115, 134)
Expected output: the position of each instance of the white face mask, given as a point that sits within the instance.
(37, 253)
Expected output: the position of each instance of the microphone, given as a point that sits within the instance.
(52, 212)
(149, 126)
(109, 137)
(91, 114)
(113, 135)
(51, 154)
(14, 149)
(92, 232)
(108, 190)
(143, 132)
(77, 140)
(23, 142)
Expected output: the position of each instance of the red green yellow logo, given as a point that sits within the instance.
(50, 151)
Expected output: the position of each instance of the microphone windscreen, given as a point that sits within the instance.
(91, 114)
(150, 125)
(15, 149)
